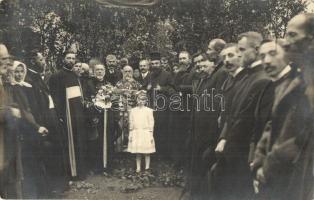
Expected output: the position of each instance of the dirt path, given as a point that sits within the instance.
(162, 183)
(111, 188)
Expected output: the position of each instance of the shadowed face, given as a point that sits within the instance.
(19, 73)
(136, 73)
(298, 42)
(248, 53)
(40, 62)
(77, 69)
(111, 62)
(273, 58)
(69, 60)
(6, 60)
(206, 67)
(155, 65)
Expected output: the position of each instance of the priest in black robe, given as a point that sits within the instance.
(159, 89)
(68, 97)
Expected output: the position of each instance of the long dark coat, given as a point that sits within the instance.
(285, 152)
(9, 167)
(54, 145)
(58, 84)
(95, 124)
(238, 131)
(181, 118)
(161, 128)
(34, 182)
(204, 134)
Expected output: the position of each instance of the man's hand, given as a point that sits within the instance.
(42, 131)
(149, 86)
(260, 175)
(158, 87)
(15, 112)
(220, 146)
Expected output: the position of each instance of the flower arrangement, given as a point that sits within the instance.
(102, 99)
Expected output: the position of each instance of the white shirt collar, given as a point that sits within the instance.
(237, 71)
(255, 64)
(285, 71)
(144, 74)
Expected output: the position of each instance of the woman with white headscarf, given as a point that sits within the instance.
(32, 177)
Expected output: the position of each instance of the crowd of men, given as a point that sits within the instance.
(237, 118)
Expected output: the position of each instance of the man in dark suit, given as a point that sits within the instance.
(238, 129)
(54, 147)
(144, 72)
(113, 73)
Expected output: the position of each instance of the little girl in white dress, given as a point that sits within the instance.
(141, 125)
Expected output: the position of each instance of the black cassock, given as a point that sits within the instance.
(67, 94)
(159, 101)
(180, 119)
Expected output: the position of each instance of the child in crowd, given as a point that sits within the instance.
(141, 139)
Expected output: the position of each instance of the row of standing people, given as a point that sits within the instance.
(259, 144)
(239, 119)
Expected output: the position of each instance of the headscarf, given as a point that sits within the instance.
(22, 82)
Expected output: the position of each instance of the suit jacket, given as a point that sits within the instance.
(242, 118)
(144, 81)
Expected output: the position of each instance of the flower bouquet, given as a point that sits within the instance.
(102, 99)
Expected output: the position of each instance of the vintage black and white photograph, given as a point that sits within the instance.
(157, 99)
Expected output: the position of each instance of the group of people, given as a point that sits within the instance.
(237, 117)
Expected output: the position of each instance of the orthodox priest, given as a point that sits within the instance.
(159, 89)
(67, 94)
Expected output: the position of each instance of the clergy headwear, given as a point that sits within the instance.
(155, 56)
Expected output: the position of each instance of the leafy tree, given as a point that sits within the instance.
(173, 25)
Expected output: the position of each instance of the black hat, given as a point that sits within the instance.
(155, 56)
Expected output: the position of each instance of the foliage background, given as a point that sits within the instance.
(170, 26)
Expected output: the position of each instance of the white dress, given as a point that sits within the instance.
(141, 125)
